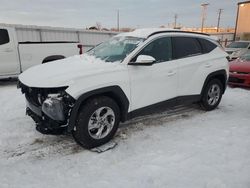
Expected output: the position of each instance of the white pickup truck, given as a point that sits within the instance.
(16, 57)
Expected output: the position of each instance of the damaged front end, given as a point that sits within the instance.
(50, 108)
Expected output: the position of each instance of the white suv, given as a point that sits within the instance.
(129, 75)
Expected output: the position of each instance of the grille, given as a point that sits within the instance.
(235, 72)
(235, 80)
(33, 96)
(242, 73)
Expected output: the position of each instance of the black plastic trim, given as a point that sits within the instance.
(114, 92)
(176, 31)
(140, 64)
(161, 106)
(53, 58)
(214, 75)
(48, 42)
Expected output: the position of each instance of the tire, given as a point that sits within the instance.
(97, 122)
(212, 95)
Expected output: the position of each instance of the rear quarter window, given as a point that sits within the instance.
(207, 46)
(4, 37)
(185, 47)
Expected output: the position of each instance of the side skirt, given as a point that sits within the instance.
(162, 106)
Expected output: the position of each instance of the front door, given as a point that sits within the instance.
(155, 83)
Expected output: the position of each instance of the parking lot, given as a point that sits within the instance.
(181, 147)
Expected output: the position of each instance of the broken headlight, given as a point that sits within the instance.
(53, 107)
(56, 104)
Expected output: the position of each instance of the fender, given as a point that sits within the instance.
(221, 75)
(53, 58)
(114, 92)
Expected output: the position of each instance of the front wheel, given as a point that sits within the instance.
(212, 95)
(97, 122)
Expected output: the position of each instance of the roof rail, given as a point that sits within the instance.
(177, 31)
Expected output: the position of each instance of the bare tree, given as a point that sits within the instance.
(98, 25)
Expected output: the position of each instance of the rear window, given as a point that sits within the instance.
(4, 36)
(238, 45)
(185, 47)
(207, 46)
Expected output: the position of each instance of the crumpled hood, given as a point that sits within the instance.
(63, 72)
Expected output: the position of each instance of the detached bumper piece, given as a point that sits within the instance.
(49, 108)
(46, 126)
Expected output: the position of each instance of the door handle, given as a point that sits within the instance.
(208, 65)
(171, 73)
(8, 50)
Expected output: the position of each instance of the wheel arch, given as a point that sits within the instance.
(220, 75)
(114, 92)
(52, 58)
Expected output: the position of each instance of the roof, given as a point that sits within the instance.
(144, 33)
(244, 2)
(147, 32)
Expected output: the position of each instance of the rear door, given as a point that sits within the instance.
(9, 62)
(192, 64)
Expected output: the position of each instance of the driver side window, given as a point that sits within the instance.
(160, 49)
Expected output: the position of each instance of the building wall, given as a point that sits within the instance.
(87, 38)
(243, 22)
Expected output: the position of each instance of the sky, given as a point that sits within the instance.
(133, 13)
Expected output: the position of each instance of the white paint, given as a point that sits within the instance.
(143, 85)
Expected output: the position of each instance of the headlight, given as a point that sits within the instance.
(53, 107)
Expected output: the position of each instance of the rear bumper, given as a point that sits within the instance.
(239, 80)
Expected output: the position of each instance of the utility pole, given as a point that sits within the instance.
(204, 15)
(118, 20)
(219, 16)
(175, 20)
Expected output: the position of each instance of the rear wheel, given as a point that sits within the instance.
(97, 122)
(212, 95)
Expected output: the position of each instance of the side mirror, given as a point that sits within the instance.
(144, 60)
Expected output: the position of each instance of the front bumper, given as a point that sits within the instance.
(47, 108)
(44, 124)
(236, 79)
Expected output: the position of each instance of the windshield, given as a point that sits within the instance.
(238, 45)
(245, 57)
(115, 49)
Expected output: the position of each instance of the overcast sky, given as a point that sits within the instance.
(133, 13)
